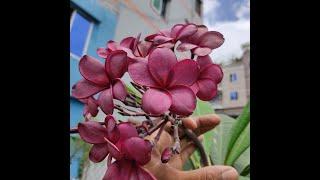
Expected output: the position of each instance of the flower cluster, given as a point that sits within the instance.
(167, 87)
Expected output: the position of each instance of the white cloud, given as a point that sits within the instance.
(235, 32)
(209, 9)
(243, 12)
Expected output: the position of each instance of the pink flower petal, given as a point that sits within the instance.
(186, 46)
(136, 42)
(110, 122)
(213, 72)
(155, 101)
(211, 39)
(143, 49)
(98, 152)
(166, 155)
(113, 172)
(128, 42)
(139, 73)
(184, 31)
(112, 130)
(207, 89)
(91, 107)
(127, 130)
(122, 170)
(175, 30)
(116, 64)
(127, 170)
(168, 45)
(105, 100)
(102, 52)
(144, 174)
(92, 132)
(184, 72)
(202, 51)
(111, 45)
(93, 70)
(183, 100)
(83, 89)
(119, 90)
(195, 87)
(160, 62)
(114, 150)
(195, 38)
(165, 32)
(138, 149)
(161, 39)
(150, 37)
(204, 61)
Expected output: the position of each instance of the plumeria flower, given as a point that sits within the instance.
(168, 37)
(90, 106)
(138, 48)
(102, 137)
(102, 78)
(122, 142)
(210, 75)
(169, 81)
(202, 42)
(134, 48)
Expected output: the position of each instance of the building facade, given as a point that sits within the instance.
(91, 25)
(234, 90)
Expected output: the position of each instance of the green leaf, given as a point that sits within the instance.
(241, 144)
(237, 132)
(203, 108)
(243, 162)
(244, 178)
(131, 89)
(221, 136)
(246, 171)
(188, 165)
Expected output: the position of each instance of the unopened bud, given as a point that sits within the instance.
(166, 155)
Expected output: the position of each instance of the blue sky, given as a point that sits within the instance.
(232, 19)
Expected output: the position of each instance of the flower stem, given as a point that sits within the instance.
(139, 88)
(176, 147)
(156, 139)
(153, 129)
(198, 144)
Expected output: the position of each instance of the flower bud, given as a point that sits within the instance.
(166, 155)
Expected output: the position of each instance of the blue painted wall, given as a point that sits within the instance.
(103, 30)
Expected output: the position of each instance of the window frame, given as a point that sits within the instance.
(159, 11)
(233, 77)
(88, 38)
(234, 95)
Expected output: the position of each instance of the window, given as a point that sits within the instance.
(80, 30)
(198, 7)
(160, 6)
(233, 77)
(234, 95)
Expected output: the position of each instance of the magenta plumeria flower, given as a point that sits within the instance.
(102, 137)
(121, 142)
(90, 106)
(168, 37)
(169, 81)
(209, 77)
(166, 85)
(102, 78)
(202, 42)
